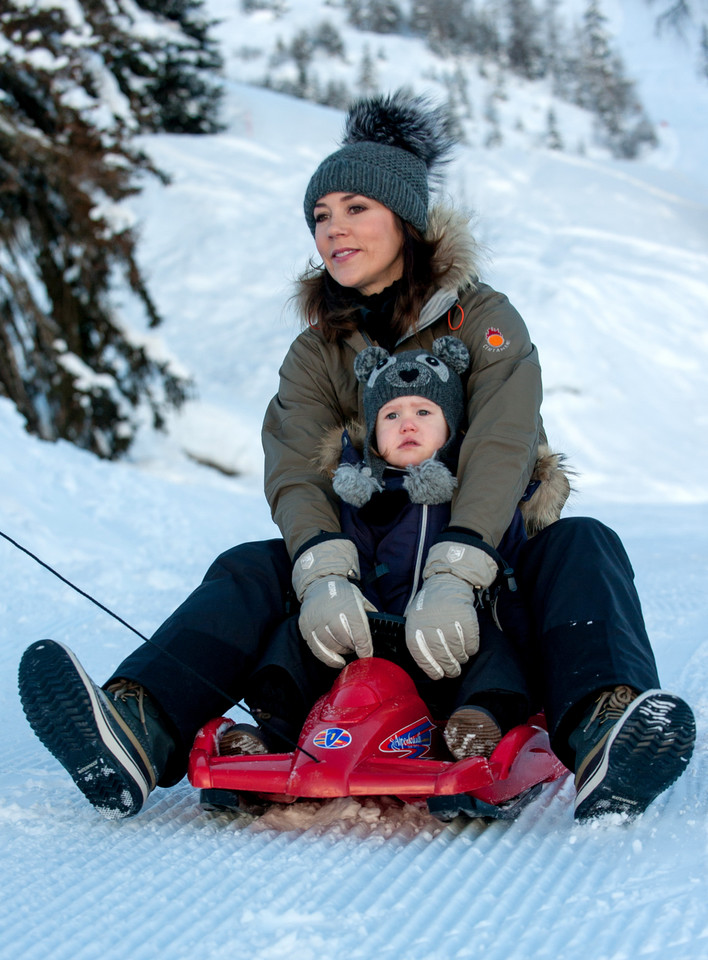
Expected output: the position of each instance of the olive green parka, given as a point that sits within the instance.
(318, 391)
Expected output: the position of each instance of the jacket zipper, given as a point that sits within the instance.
(423, 529)
(446, 300)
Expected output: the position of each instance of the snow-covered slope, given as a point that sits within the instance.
(608, 262)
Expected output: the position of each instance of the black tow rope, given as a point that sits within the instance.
(185, 666)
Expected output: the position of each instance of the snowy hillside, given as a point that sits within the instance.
(608, 263)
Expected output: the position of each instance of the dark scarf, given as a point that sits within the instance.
(375, 311)
(376, 314)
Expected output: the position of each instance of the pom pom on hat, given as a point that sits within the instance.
(410, 123)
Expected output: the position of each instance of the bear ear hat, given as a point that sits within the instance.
(367, 360)
(452, 352)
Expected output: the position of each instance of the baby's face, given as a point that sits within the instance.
(410, 430)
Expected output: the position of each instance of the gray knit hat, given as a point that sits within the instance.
(434, 375)
(391, 148)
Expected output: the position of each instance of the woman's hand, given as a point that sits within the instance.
(333, 610)
(442, 630)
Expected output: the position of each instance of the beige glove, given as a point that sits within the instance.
(333, 617)
(442, 630)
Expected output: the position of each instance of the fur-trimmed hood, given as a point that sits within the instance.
(456, 247)
(546, 495)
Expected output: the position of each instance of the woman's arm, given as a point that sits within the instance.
(504, 421)
(316, 393)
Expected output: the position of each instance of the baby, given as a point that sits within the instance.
(395, 479)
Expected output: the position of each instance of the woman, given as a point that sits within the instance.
(400, 275)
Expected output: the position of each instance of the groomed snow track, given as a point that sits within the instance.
(374, 880)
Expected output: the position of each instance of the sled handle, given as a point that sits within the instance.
(388, 634)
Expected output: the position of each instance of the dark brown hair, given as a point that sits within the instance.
(334, 310)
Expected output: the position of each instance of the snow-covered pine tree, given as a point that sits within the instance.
(558, 51)
(553, 139)
(603, 87)
(367, 83)
(184, 85)
(329, 39)
(450, 26)
(420, 16)
(378, 16)
(674, 15)
(302, 51)
(524, 46)
(74, 89)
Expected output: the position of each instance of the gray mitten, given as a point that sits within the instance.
(333, 610)
(442, 630)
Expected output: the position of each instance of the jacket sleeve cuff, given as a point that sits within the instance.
(460, 535)
(320, 538)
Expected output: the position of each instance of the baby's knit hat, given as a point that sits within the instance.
(434, 375)
(392, 146)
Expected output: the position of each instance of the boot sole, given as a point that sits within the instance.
(648, 749)
(76, 723)
(242, 740)
(471, 732)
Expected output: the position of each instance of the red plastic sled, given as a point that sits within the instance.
(372, 735)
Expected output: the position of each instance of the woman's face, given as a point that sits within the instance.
(360, 241)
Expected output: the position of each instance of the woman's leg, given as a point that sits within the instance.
(588, 630)
(119, 740)
(626, 740)
(199, 661)
(285, 684)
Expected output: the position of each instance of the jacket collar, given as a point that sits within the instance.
(456, 246)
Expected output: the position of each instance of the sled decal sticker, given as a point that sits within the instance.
(333, 738)
(412, 741)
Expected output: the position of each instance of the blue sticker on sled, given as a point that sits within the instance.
(333, 738)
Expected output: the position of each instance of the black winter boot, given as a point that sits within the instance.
(111, 742)
(629, 748)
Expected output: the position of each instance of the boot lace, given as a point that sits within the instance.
(123, 689)
(611, 705)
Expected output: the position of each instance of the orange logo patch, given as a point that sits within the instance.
(495, 340)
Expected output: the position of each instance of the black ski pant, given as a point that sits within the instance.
(586, 629)
(573, 627)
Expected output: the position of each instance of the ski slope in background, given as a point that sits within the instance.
(608, 263)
